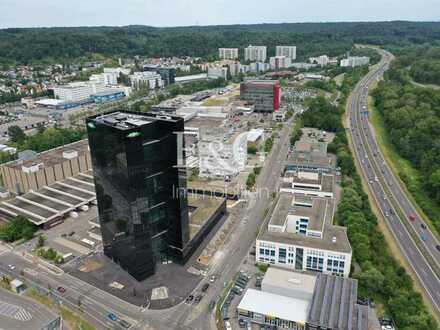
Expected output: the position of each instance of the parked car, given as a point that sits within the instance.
(412, 217)
(60, 289)
(198, 298)
(228, 325)
(423, 226)
(241, 323)
(212, 304)
(212, 279)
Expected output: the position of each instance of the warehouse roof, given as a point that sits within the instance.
(274, 305)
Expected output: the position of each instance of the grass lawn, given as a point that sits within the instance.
(410, 176)
(73, 320)
(213, 102)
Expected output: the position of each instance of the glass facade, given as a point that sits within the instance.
(141, 193)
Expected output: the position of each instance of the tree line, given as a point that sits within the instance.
(66, 44)
(411, 115)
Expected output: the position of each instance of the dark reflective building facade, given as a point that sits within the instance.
(140, 189)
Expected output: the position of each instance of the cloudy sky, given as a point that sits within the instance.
(31, 13)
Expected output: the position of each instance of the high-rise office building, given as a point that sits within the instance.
(228, 53)
(288, 51)
(255, 53)
(140, 184)
(265, 95)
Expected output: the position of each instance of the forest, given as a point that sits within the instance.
(411, 115)
(46, 45)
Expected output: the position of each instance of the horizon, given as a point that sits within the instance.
(182, 13)
(212, 25)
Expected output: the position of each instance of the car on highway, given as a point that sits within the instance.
(112, 317)
(412, 217)
(437, 247)
(423, 237)
(60, 289)
(205, 287)
(124, 324)
(423, 226)
(198, 298)
(211, 304)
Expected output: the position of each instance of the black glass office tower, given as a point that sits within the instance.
(140, 188)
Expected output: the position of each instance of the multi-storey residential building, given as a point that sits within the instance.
(228, 53)
(257, 67)
(287, 51)
(279, 62)
(255, 53)
(300, 236)
(355, 61)
(167, 73)
(140, 188)
(322, 60)
(265, 95)
(146, 79)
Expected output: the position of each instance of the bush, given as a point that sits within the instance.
(18, 228)
(252, 149)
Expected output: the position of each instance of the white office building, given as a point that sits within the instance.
(308, 183)
(322, 60)
(279, 62)
(228, 53)
(353, 61)
(287, 51)
(255, 53)
(300, 236)
(78, 91)
(146, 80)
(216, 72)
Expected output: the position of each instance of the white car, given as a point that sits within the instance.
(228, 325)
(11, 267)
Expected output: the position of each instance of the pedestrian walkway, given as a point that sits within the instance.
(14, 312)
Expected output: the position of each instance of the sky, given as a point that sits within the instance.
(39, 13)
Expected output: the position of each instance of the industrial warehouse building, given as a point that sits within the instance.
(296, 301)
(46, 168)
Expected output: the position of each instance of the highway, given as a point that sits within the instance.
(418, 244)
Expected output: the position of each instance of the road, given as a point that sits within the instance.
(417, 243)
(96, 304)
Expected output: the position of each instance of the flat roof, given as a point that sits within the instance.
(274, 305)
(124, 120)
(317, 210)
(53, 156)
(289, 280)
(334, 238)
(325, 180)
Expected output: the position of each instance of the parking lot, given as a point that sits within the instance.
(68, 237)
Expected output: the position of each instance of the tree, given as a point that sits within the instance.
(16, 134)
(41, 241)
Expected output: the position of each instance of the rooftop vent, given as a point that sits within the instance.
(70, 154)
(334, 239)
